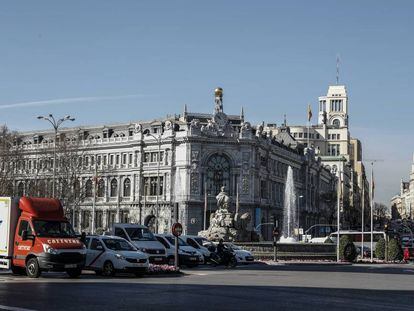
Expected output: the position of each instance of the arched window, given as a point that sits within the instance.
(336, 123)
(88, 188)
(114, 188)
(218, 174)
(20, 189)
(127, 187)
(101, 188)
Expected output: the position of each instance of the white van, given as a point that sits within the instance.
(356, 237)
(143, 239)
(201, 244)
(109, 254)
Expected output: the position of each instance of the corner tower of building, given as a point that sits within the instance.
(333, 108)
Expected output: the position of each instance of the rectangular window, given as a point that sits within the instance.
(105, 160)
(130, 159)
(111, 159)
(124, 158)
(150, 185)
(338, 137)
(117, 159)
(98, 160)
(305, 135)
(300, 135)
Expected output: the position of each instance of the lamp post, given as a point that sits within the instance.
(158, 139)
(299, 198)
(55, 124)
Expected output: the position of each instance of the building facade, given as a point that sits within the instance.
(339, 152)
(136, 172)
(402, 204)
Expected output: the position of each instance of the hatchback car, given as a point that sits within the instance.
(107, 255)
(242, 255)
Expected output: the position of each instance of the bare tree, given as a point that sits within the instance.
(10, 157)
(380, 213)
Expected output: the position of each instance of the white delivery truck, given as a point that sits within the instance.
(8, 221)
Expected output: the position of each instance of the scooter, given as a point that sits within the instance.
(228, 259)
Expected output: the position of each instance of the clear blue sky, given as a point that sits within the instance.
(115, 61)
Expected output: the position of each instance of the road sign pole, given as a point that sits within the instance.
(176, 263)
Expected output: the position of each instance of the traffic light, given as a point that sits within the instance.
(386, 229)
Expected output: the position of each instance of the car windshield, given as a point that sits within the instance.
(49, 228)
(232, 246)
(172, 242)
(140, 234)
(118, 245)
(204, 242)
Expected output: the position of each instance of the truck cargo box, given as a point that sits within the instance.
(9, 214)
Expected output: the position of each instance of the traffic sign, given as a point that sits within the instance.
(177, 229)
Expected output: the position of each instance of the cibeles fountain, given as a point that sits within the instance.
(227, 225)
(290, 212)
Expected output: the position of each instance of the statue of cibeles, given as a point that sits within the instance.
(223, 200)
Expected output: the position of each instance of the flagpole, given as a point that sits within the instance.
(205, 206)
(372, 216)
(363, 217)
(338, 214)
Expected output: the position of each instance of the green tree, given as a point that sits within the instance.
(380, 249)
(347, 250)
(395, 252)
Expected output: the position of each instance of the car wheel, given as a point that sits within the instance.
(108, 269)
(74, 273)
(32, 268)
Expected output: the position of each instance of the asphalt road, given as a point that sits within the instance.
(255, 287)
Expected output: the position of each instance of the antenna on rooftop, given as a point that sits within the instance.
(337, 68)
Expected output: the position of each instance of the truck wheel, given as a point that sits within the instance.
(32, 268)
(74, 273)
(108, 269)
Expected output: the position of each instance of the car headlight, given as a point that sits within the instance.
(143, 250)
(120, 257)
(49, 249)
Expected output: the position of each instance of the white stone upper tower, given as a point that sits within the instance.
(333, 108)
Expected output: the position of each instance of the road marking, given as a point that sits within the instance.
(14, 308)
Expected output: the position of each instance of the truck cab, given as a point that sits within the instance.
(39, 238)
(143, 239)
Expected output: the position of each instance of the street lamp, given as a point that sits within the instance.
(55, 124)
(299, 198)
(158, 139)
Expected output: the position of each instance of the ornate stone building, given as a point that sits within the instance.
(338, 151)
(402, 204)
(135, 172)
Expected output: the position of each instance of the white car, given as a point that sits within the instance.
(242, 255)
(201, 244)
(110, 254)
(187, 254)
(143, 239)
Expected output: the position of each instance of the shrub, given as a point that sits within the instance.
(380, 249)
(350, 252)
(395, 252)
(347, 250)
(343, 241)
